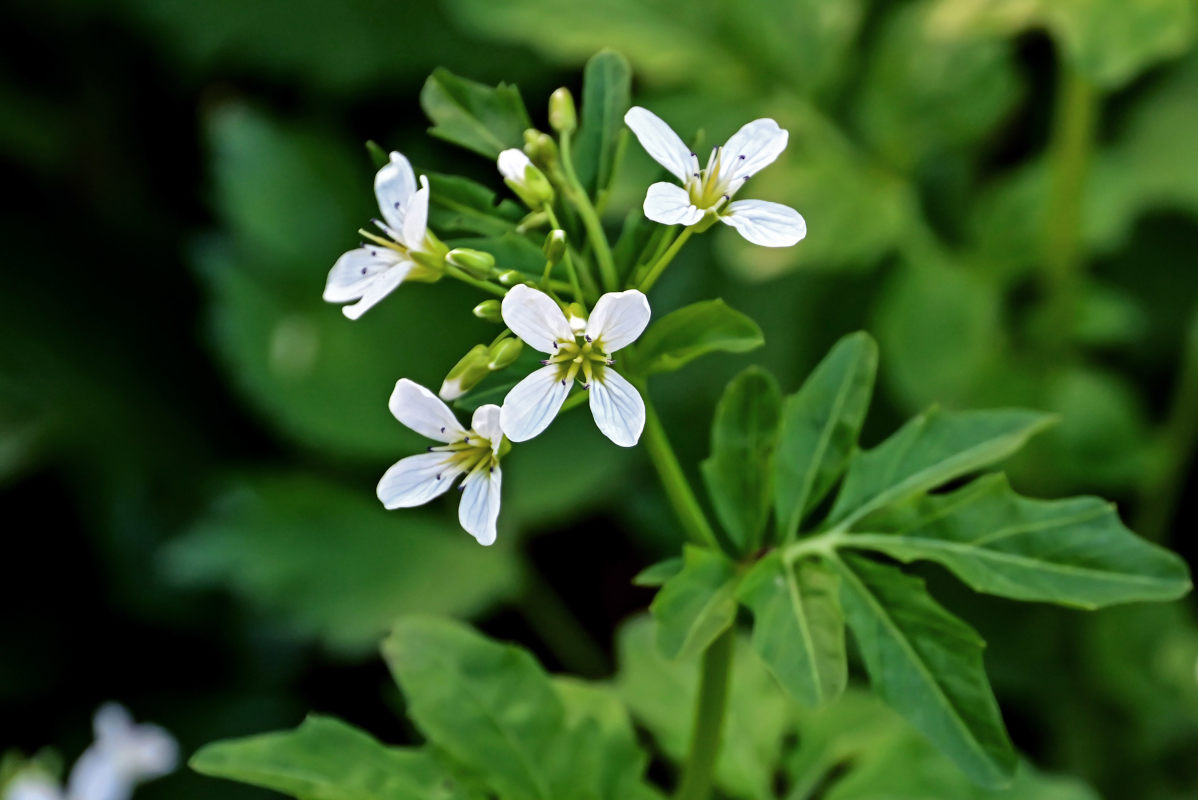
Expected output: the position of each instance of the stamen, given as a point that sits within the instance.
(588, 338)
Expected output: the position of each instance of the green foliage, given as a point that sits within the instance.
(461, 206)
(697, 604)
(606, 88)
(472, 115)
(681, 336)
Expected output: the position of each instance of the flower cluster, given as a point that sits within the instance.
(579, 345)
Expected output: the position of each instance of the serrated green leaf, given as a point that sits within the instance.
(798, 628)
(459, 205)
(928, 451)
(927, 664)
(696, 605)
(1073, 552)
(819, 428)
(739, 474)
(705, 327)
(606, 91)
(485, 119)
(326, 759)
(657, 574)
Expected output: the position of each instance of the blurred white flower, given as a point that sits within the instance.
(578, 349)
(754, 146)
(123, 755)
(415, 480)
(371, 272)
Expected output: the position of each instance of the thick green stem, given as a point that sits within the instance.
(708, 724)
(590, 220)
(678, 490)
(1069, 151)
(660, 265)
(464, 277)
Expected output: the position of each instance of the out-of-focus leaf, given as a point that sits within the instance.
(481, 118)
(927, 664)
(459, 205)
(928, 451)
(739, 471)
(696, 605)
(606, 88)
(657, 574)
(336, 565)
(1073, 552)
(326, 759)
(655, 688)
(681, 336)
(511, 251)
(798, 629)
(819, 428)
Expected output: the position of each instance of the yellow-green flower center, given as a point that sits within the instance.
(580, 355)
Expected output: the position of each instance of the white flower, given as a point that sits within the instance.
(575, 345)
(415, 480)
(754, 146)
(123, 755)
(372, 271)
(523, 178)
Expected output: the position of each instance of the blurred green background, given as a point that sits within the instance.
(190, 438)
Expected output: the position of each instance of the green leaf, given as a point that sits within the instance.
(738, 474)
(657, 574)
(511, 251)
(481, 118)
(1073, 552)
(334, 564)
(696, 605)
(927, 664)
(326, 759)
(606, 89)
(705, 327)
(928, 451)
(459, 205)
(489, 705)
(819, 428)
(798, 629)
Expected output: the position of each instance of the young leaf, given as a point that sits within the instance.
(798, 629)
(705, 327)
(326, 759)
(738, 473)
(1073, 552)
(657, 574)
(819, 429)
(696, 605)
(606, 89)
(489, 705)
(927, 664)
(928, 451)
(481, 118)
(459, 205)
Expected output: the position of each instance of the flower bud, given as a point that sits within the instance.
(504, 352)
(540, 147)
(512, 277)
(467, 373)
(476, 262)
(523, 178)
(490, 310)
(555, 245)
(562, 116)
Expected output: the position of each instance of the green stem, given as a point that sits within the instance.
(486, 286)
(708, 726)
(1070, 147)
(660, 265)
(568, 260)
(661, 453)
(590, 220)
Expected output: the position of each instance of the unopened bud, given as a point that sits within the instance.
(476, 262)
(562, 116)
(467, 373)
(555, 245)
(490, 310)
(504, 352)
(523, 178)
(540, 147)
(512, 277)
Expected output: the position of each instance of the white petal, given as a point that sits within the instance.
(422, 411)
(393, 186)
(618, 319)
(356, 270)
(486, 424)
(766, 224)
(660, 141)
(479, 509)
(671, 205)
(532, 404)
(415, 224)
(534, 317)
(618, 408)
(415, 480)
(755, 146)
(386, 283)
(512, 163)
(112, 722)
(32, 787)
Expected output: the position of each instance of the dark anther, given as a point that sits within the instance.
(492, 470)
(397, 202)
(741, 156)
(694, 155)
(442, 429)
(563, 381)
(544, 362)
(431, 449)
(726, 197)
(588, 338)
(586, 386)
(438, 476)
(696, 174)
(363, 270)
